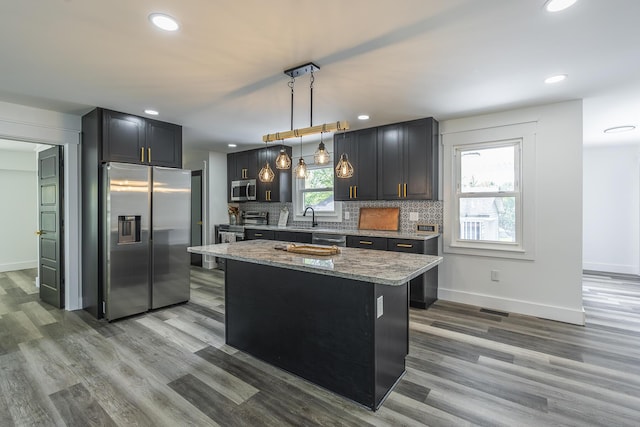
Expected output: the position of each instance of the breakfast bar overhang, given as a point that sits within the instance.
(340, 321)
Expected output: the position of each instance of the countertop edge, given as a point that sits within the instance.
(207, 250)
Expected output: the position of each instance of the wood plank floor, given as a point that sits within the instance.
(467, 366)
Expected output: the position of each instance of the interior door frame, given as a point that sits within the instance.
(33, 125)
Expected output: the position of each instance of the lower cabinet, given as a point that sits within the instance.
(253, 234)
(293, 236)
(423, 290)
(362, 242)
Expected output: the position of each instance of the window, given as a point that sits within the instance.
(317, 191)
(488, 192)
(486, 171)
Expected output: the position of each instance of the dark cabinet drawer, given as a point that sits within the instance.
(405, 245)
(362, 242)
(293, 236)
(251, 234)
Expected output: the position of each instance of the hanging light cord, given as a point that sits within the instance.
(312, 79)
(291, 83)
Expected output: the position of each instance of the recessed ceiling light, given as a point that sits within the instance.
(555, 79)
(618, 129)
(363, 117)
(558, 5)
(232, 145)
(151, 112)
(164, 22)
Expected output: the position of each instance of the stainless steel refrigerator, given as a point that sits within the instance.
(148, 220)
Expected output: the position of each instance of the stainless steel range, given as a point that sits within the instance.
(229, 233)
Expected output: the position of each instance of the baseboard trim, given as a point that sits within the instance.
(18, 266)
(611, 268)
(561, 314)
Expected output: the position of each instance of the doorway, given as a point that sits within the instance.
(23, 235)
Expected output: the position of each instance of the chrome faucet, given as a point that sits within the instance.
(313, 216)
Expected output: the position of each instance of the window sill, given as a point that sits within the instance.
(488, 250)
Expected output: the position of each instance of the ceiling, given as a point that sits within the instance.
(221, 75)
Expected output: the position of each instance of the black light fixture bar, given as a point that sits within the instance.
(301, 70)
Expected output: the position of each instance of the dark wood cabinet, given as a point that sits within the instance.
(132, 139)
(254, 234)
(408, 160)
(247, 165)
(360, 146)
(279, 190)
(164, 144)
(293, 236)
(364, 242)
(242, 165)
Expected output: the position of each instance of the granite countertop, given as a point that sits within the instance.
(382, 267)
(351, 232)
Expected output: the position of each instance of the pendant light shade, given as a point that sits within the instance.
(266, 173)
(344, 169)
(321, 156)
(283, 161)
(301, 170)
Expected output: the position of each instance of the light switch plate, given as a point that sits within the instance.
(380, 307)
(413, 216)
(346, 215)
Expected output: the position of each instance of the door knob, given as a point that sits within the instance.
(40, 233)
(199, 223)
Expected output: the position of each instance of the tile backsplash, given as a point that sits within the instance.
(429, 212)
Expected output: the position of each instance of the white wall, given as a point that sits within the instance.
(22, 123)
(549, 286)
(612, 209)
(19, 213)
(214, 170)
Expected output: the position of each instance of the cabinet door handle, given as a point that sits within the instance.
(258, 234)
(404, 245)
(350, 192)
(365, 242)
(399, 194)
(141, 154)
(405, 190)
(149, 154)
(355, 191)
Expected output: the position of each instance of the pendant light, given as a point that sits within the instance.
(344, 168)
(301, 170)
(321, 156)
(266, 174)
(283, 161)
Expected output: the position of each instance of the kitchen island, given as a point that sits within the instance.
(339, 321)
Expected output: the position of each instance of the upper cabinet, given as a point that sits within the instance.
(247, 164)
(360, 146)
(279, 190)
(242, 165)
(133, 139)
(408, 160)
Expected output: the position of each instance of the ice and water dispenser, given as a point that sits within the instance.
(128, 229)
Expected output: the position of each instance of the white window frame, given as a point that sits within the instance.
(522, 137)
(459, 194)
(298, 208)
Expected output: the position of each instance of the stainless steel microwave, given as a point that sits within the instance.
(243, 190)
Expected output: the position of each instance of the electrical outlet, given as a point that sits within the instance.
(413, 216)
(346, 215)
(495, 275)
